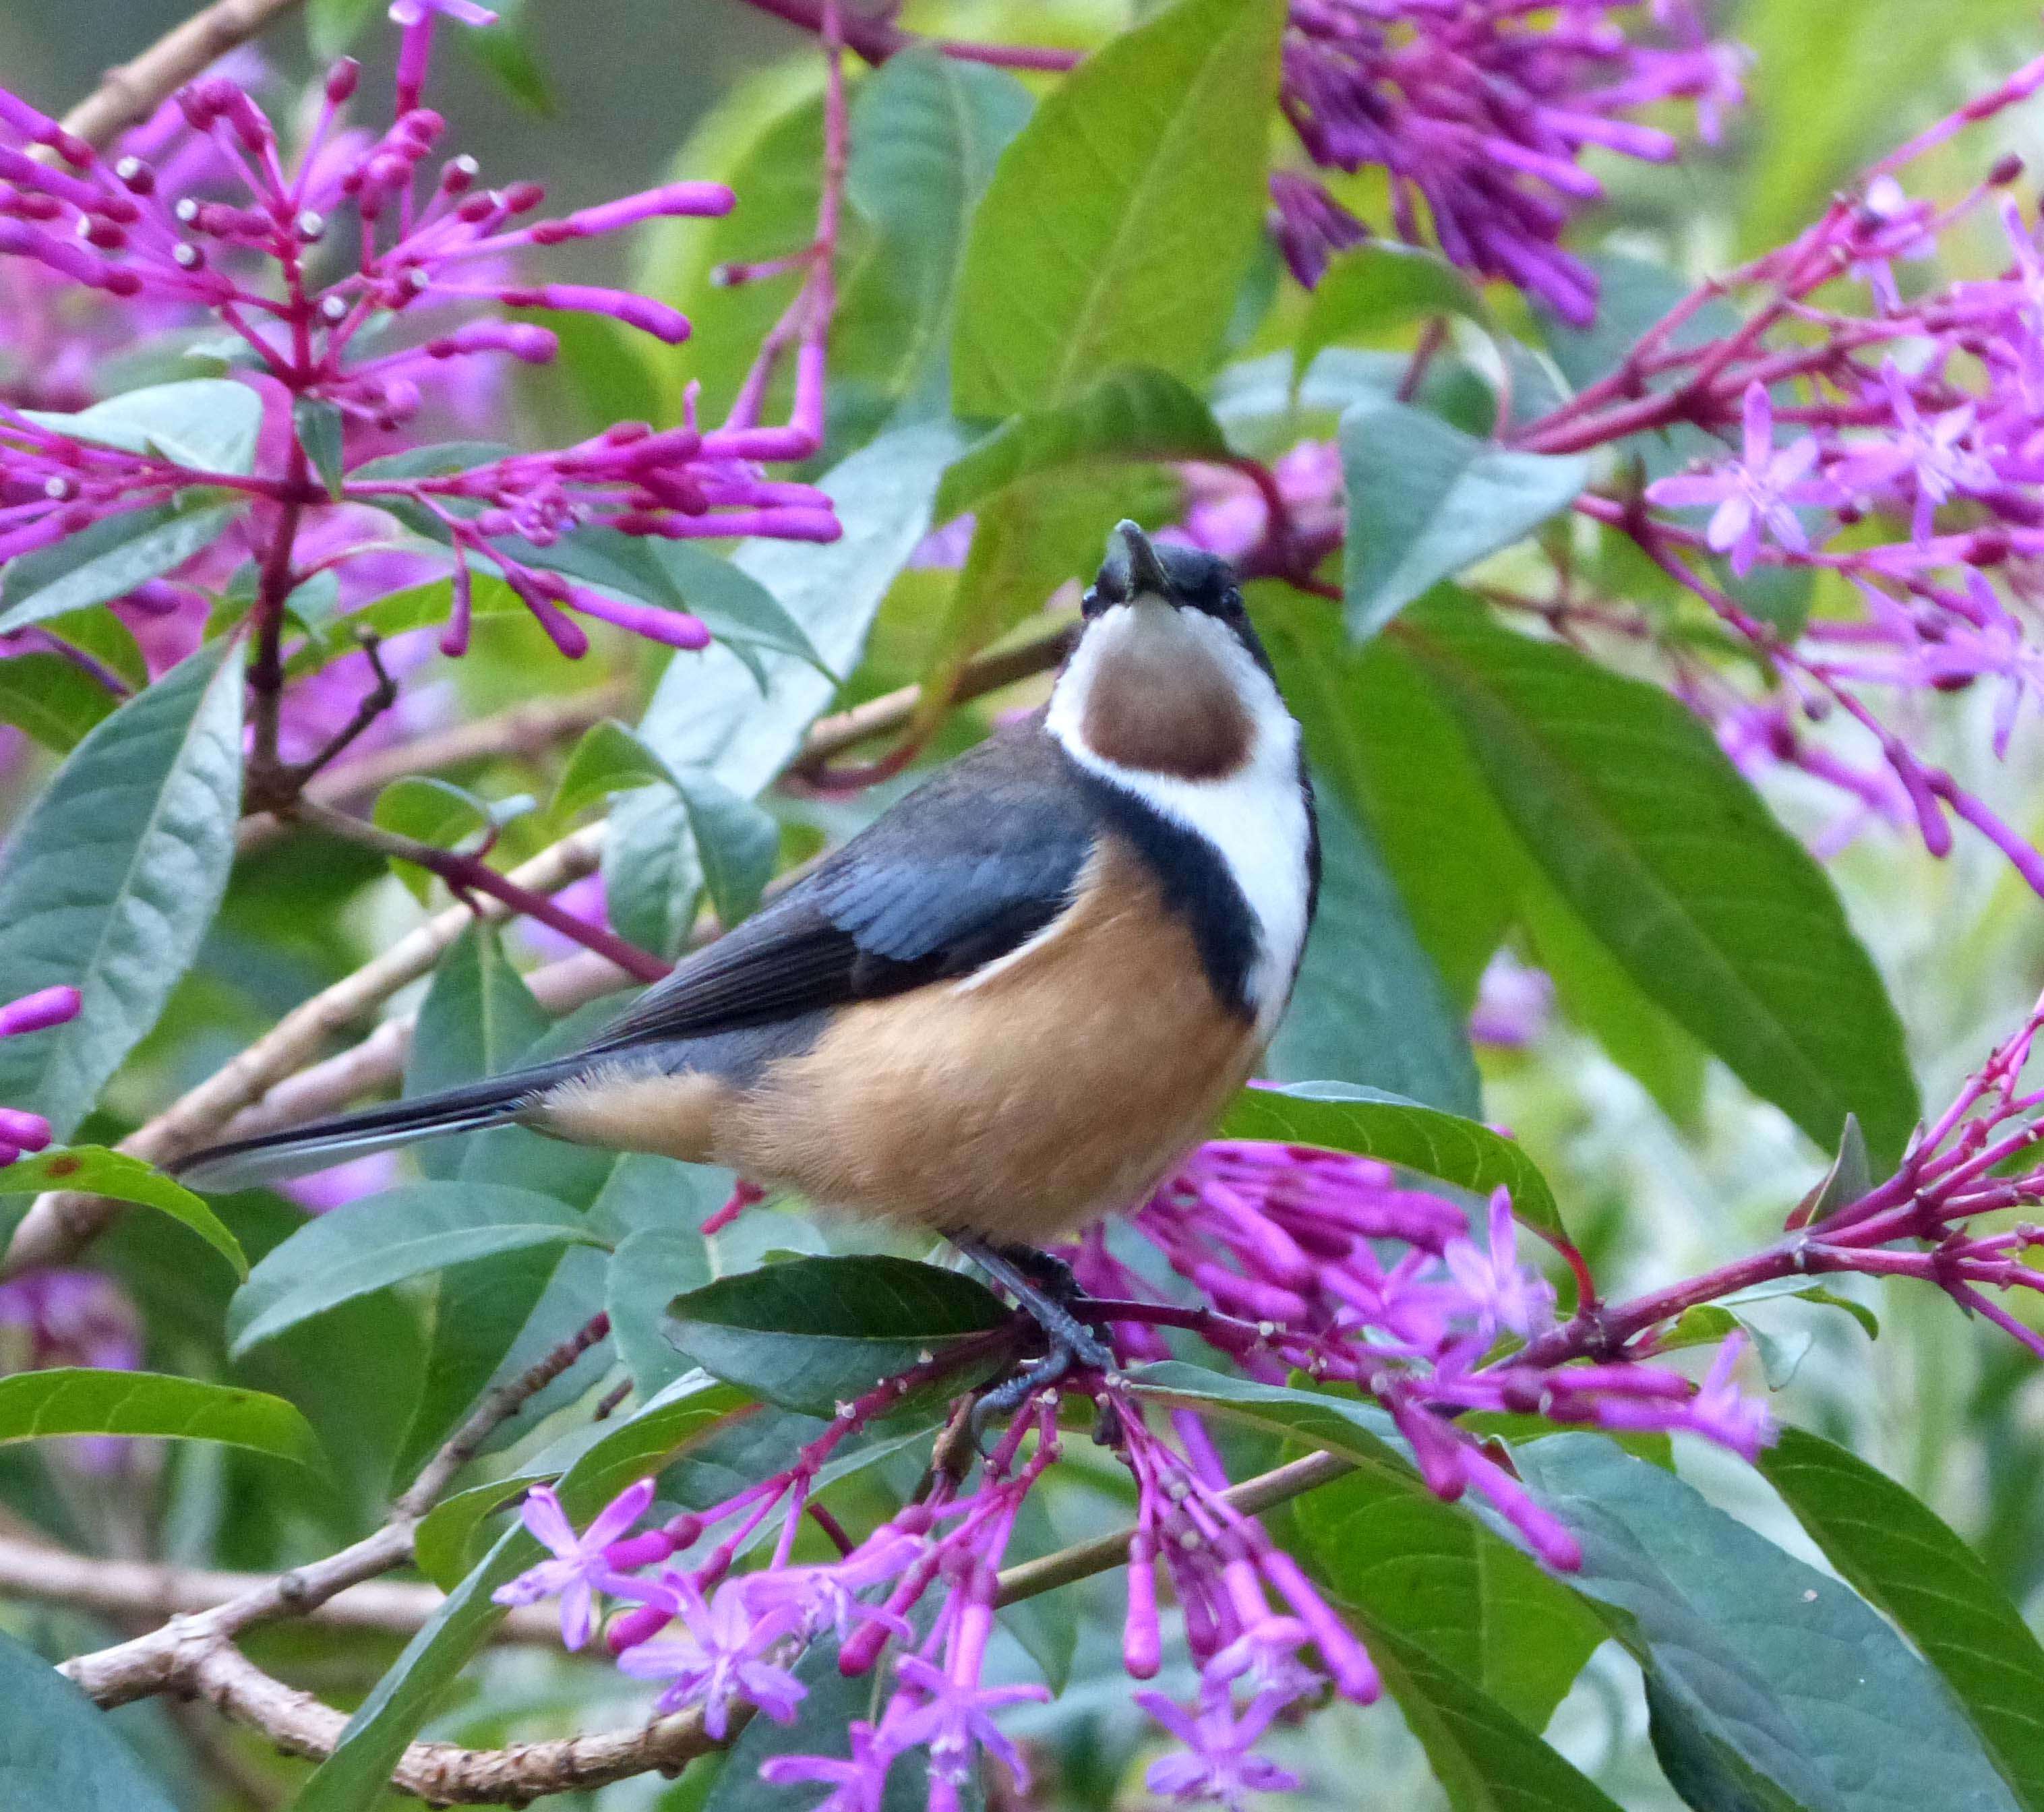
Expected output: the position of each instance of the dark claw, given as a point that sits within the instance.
(1045, 1287)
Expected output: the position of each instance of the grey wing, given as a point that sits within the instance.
(962, 871)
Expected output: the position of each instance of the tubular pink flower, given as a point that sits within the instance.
(38, 1012)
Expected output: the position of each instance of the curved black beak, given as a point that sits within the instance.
(1146, 571)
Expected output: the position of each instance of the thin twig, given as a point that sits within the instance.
(32, 1572)
(128, 95)
(523, 731)
(470, 874)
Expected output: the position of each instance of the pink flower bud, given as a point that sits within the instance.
(38, 1012)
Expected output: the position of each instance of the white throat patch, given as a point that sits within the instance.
(1254, 817)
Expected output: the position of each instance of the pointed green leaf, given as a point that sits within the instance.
(59, 1752)
(1119, 223)
(1645, 828)
(1485, 1759)
(1369, 1008)
(1138, 412)
(319, 426)
(38, 1406)
(609, 759)
(111, 880)
(1767, 1675)
(51, 699)
(814, 1332)
(1377, 285)
(96, 1171)
(108, 560)
(404, 1232)
(208, 423)
(1426, 500)
(1896, 1553)
(1464, 1153)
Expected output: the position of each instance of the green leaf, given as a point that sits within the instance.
(1485, 1759)
(356, 1776)
(649, 1268)
(51, 699)
(1370, 1006)
(1381, 745)
(1426, 500)
(1029, 540)
(59, 1752)
(428, 810)
(108, 560)
(609, 759)
(110, 881)
(814, 1332)
(37, 1406)
(1464, 1153)
(104, 640)
(1117, 228)
(404, 1232)
(1895, 1552)
(1645, 828)
(1441, 1578)
(707, 714)
(98, 1171)
(207, 423)
(1138, 412)
(1378, 286)
(319, 428)
(1762, 1671)
(479, 1019)
(926, 131)
(700, 838)
(1850, 1177)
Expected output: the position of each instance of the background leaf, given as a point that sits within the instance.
(1895, 1552)
(1463, 1152)
(59, 1752)
(814, 1332)
(37, 1406)
(1425, 500)
(117, 1176)
(1118, 225)
(1648, 832)
(111, 880)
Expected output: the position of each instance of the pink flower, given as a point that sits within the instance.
(723, 1656)
(956, 1717)
(1755, 494)
(1501, 1293)
(1219, 1763)
(579, 1568)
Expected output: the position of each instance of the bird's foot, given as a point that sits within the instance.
(1046, 1290)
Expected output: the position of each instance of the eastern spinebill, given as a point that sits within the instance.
(1007, 1007)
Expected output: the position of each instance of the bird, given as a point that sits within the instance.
(1003, 1009)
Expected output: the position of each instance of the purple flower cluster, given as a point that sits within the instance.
(335, 269)
(1478, 112)
(1314, 1262)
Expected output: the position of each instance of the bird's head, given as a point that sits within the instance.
(1137, 570)
(1168, 677)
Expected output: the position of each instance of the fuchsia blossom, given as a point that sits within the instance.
(1756, 494)
(1218, 1764)
(1479, 112)
(580, 1569)
(721, 1659)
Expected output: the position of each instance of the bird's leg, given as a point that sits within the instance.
(1071, 1342)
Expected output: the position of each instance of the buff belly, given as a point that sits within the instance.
(1054, 1086)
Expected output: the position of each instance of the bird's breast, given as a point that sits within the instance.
(1056, 1085)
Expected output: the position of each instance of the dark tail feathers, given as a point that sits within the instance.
(245, 1163)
